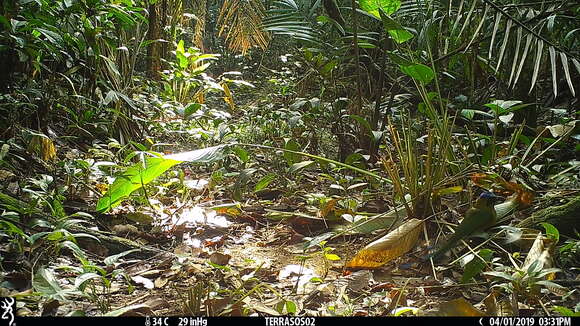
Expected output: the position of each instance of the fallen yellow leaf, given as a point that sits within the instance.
(389, 247)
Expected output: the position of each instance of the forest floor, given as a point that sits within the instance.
(254, 266)
(210, 255)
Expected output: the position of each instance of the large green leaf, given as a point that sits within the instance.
(83, 278)
(362, 121)
(134, 178)
(46, 283)
(141, 174)
(373, 6)
(400, 35)
(291, 147)
(200, 156)
(264, 182)
(299, 166)
(395, 30)
(420, 72)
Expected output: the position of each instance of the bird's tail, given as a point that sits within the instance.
(439, 253)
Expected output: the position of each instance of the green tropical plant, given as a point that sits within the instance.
(187, 78)
(524, 283)
(87, 49)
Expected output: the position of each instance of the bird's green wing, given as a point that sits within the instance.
(476, 219)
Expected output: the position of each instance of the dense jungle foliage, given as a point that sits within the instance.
(290, 157)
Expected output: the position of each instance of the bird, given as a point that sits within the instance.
(477, 218)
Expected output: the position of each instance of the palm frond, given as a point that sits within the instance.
(241, 22)
(552, 52)
(482, 20)
(493, 34)
(516, 55)
(200, 7)
(291, 19)
(468, 18)
(471, 20)
(539, 48)
(564, 60)
(523, 59)
(504, 44)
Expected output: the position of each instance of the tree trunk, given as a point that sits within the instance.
(153, 50)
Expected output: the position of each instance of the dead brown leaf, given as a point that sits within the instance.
(219, 258)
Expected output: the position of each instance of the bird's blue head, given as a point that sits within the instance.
(489, 196)
(486, 199)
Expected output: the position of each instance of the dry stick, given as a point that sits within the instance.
(443, 286)
(505, 252)
(508, 255)
(564, 136)
(175, 212)
(430, 258)
(138, 299)
(472, 250)
(544, 307)
(396, 210)
(401, 293)
(478, 256)
(476, 247)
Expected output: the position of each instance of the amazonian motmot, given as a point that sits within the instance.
(478, 218)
